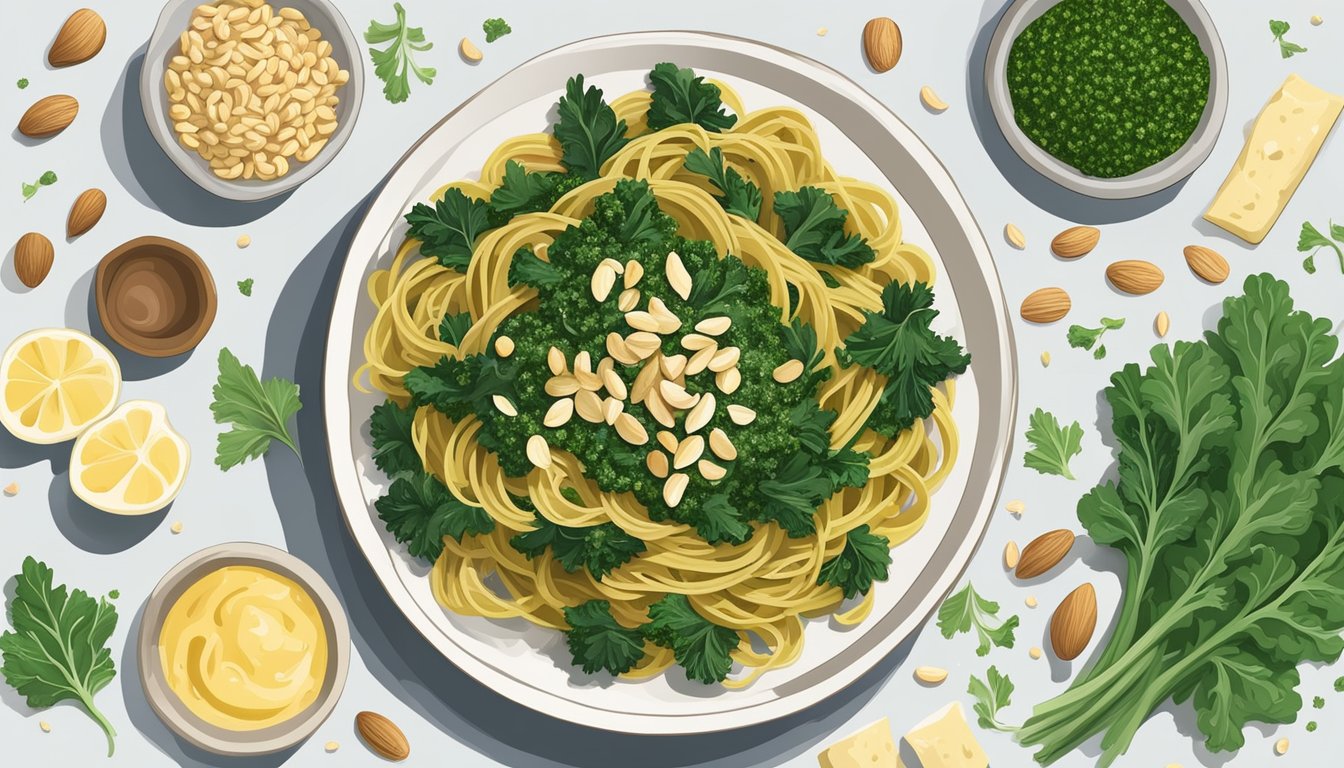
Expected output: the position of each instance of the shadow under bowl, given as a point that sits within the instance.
(155, 296)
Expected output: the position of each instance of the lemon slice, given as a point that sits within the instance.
(54, 382)
(131, 463)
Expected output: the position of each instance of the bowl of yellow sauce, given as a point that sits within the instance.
(244, 649)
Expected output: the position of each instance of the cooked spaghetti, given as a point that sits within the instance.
(660, 379)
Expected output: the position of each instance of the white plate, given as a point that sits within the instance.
(861, 138)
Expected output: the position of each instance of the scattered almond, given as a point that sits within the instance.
(1031, 601)
(1073, 623)
(504, 346)
(244, 241)
(176, 527)
(1044, 552)
(1046, 305)
(694, 342)
(668, 440)
(382, 736)
(1207, 264)
(44, 725)
(1281, 747)
(700, 360)
(1075, 242)
(628, 299)
(469, 51)
(612, 409)
(561, 386)
(1014, 236)
(538, 452)
(700, 415)
(1316, 21)
(614, 383)
(555, 359)
(882, 43)
(602, 281)
(676, 395)
(1010, 555)
(49, 116)
(633, 272)
(332, 746)
(1162, 324)
(589, 406)
(713, 326)
(1135, 276)
(724, 359)
(709, 470)
(677, 276)
(12, 489)
(86, 211)
(821, 31)
(930, 675)
(728, 381)
(675, 487)
(80, 39)
(1035, 652)
(671, 366)
(559, 413)
(33, 257)
(932, 100)
(1016, 507)
(788, 371)
(1045, 359)
(657, 463)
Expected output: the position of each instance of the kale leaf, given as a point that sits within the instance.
(597, 641)
(457, 387)
(601, 548)
(453, 327)
(528, 269)
(588, 131)
(448, 231)
(737, 195)
(865, 559)
(419, 511)
(701, 647)
(393, 447)
(679, 96)
(814, 228)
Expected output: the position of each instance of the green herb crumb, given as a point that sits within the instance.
(1310, 240)
(495, 29)
(1311, 726)
(23, 83)
(1286, 49)
(1318, 702)
(245, 287)
(1085, 338)
(45, 180)
(1339, 684)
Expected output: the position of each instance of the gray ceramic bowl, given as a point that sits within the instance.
(1152, 179)
(164, 44)
(175, 714)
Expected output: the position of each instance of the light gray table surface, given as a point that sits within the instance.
(298, 242)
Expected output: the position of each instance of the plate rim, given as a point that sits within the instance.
(983, 495)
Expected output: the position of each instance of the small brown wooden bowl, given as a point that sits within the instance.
(155, 296)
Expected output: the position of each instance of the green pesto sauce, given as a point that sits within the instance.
(1110, 87)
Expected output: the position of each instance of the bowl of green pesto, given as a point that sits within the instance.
(1112, 99)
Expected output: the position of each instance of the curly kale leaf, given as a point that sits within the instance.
(601, 548)
(814, 228)
(393, 447)
(701, 647)
(597, 641)
(737, 195)
(865, 559)
(448, 231)
(419, 511)
(457, 387)
(588, 131)
(679, 96)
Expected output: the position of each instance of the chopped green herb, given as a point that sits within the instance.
(1310, 240)
(1286, 49)
(966, 610)
(258, 411)
(991, 694)
(23, 83)
(1318, 702)
(45, 180)
(58, 648)
(245, 287)
(495, 29)
(701, 647)
(1339, 684)
(680, 96)
(1311, 726)
(597, 641)
(1052, 445)
(1085, 338)
(396, 62)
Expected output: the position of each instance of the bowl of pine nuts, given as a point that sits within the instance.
(249, 99)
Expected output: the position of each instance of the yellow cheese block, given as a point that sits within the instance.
(944, 740)
(1281, 147)
(870, 748)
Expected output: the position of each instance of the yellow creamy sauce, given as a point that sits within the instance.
(244, 648)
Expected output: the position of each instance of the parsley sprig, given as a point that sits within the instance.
(395, 63)
(1082, 337)
(681, 96)
(1310, 240)
(737, 195)
(1286, 49)
(1052, 445)
(966, 610)
(814, 228)
(258, 411)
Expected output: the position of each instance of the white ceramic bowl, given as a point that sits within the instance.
(185, 723)
(163, 45)
(1151, 179)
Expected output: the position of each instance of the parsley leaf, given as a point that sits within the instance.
(259, 412)
(453, 327)
(738, 196)
(393, 446)
(717, 520)
(814, 229)
(45, 180)
(791, 497)
(991, 695)
(495, 29)
(448, 231)
(1085, 338)
(1286, 49)
(679, 96)
(588, 131)
(900, 344)
(701, 647)
(966, 610)
(245, 286)
(528, 269)
(597, 641)
(1310, 240)
(58, 649)
(23, 83)
(456, 387)
(419, 511)
(601, 548)
(865, 559)
(393, 63)
(522, 191)
(1052, 445)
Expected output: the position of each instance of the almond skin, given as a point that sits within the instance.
(1044, 552)
(80, 39)
(33, 256)
(49, 116)
(1207, 264)
(1074, 622)
(1135, 276)
(1075, 242)
(382, 736)
(882, 43)
(86, 212)
(1046, 305)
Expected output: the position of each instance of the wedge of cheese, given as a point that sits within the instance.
(1281, 147)
(944, 740)
(871, 747)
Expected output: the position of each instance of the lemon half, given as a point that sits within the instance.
(54, 382)
(131, 463)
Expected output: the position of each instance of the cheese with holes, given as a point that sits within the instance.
(944, 740)
(1281, 147)
(870, 748)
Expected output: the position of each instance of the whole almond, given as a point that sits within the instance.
(882, 43)
(1135, 276)
(1075, 241)
(86, 212)
(33, 256)
(1207, 264)
(1046, 305)
(49, 116)
(1074, 621)
(1043, 553)
(80, 39)
(382, 736)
